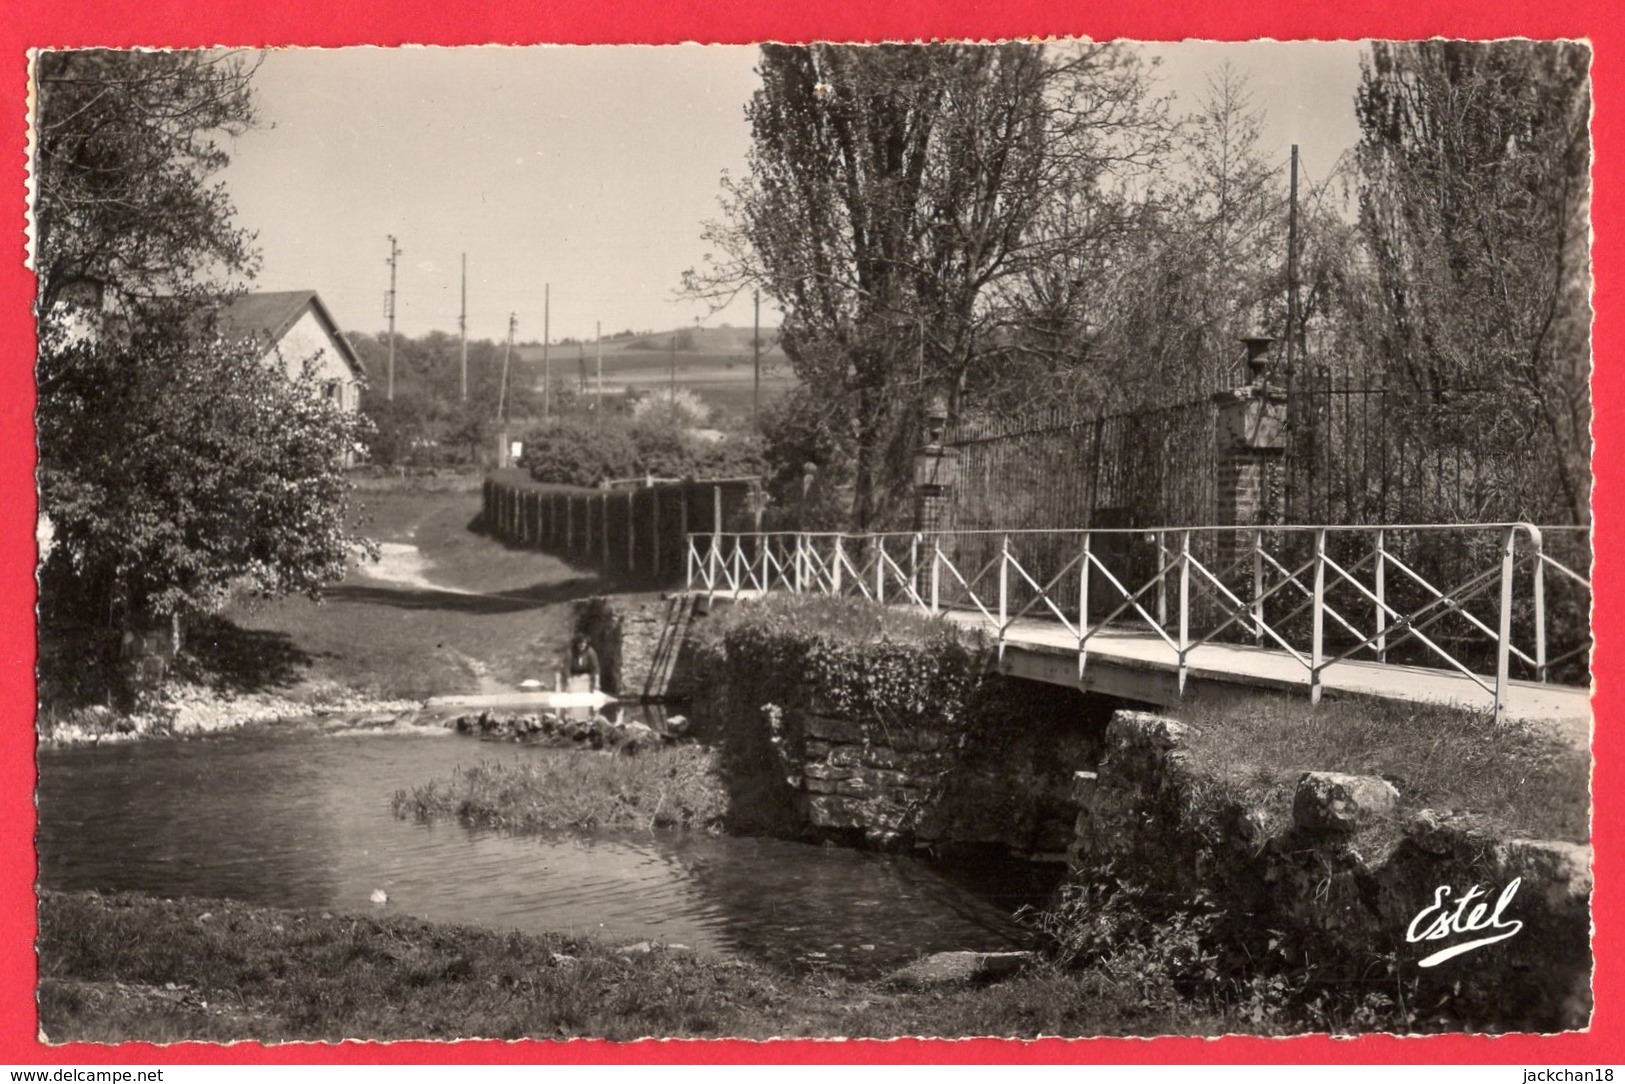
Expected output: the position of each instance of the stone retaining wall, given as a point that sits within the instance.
(1353, 873)
(642, 642)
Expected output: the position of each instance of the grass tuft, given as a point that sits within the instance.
(677, 787)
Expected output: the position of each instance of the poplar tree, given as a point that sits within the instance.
(1475, 211)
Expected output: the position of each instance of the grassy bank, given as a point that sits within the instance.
(659, 788)
(133, 968)
(1516, 775)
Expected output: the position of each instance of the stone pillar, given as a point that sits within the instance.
(936, 470)
(1251, 436)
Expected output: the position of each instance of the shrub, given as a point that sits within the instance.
(580, 453)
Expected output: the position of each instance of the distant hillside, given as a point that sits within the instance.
(715, 363)
(704, 340)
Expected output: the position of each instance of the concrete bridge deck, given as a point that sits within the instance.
(1142, 666)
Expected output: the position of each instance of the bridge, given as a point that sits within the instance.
(1489, 616)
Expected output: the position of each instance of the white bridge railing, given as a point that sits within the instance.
(1459, 597)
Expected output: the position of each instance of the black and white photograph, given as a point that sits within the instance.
(1007, 539)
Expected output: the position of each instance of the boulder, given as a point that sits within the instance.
(635, 736)
(1338, 804)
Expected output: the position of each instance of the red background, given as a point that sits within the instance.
(195, 23)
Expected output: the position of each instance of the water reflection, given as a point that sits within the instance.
(303, 820)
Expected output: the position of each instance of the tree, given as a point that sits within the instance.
(1474, 207)
(176, 468)
(180, 472)
(127, 142)
(890, 189)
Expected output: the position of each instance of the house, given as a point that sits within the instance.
(295, 326)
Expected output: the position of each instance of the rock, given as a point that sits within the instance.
(379, 897)
(640, 948)
(1143, 729)
(605, 733)
(1561, 871)
(832, 729)
(677, 725)
(1341, 804)
(948, 968)
(635, 736)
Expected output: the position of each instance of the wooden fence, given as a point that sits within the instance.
(632, 530)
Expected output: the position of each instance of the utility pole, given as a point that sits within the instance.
(673, 396)
(547, 362)
(502, 392)
(394, 257)
(462, 326)
(1293, 346)
(598, 332)
(756, 360)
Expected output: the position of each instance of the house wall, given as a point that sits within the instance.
(308, 338)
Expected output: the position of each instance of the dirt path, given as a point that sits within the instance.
(401, 564)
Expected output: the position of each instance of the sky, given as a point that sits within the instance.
(583, 175)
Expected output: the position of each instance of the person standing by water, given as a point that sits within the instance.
(583, 666)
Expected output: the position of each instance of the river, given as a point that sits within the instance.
(299, 816)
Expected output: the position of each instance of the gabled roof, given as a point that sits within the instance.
(269, 316)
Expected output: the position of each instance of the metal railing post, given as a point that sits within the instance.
(835, 571)
(688, 564)
(1162, 579)
(801, 561)
(1539, 588)
(880, 569)
(1004, 589)
(1381, 577)
(1258, 588)
(1317, 651)
(1083, 606)
(1503, 642)
(914, 565)
(936, 574)
(1184, 604)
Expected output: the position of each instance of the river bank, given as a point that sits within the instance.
(126, 967)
